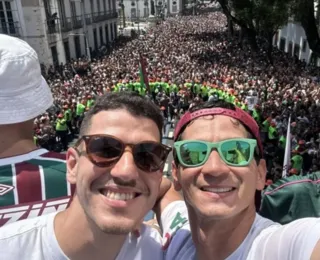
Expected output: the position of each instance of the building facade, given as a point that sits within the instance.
(56, 28)
(293, 40)
(143, 8)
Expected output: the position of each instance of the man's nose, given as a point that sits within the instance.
(215, 166)
(125, 168)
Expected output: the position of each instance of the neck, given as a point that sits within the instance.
(16, 139)
(90, 243)
(219, 238)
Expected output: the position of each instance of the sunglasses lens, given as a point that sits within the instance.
(150, 157)
(193, 153)
(104, 150)
(236, 152)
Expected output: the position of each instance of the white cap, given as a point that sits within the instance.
(24, 93)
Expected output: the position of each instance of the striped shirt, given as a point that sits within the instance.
(32, 185)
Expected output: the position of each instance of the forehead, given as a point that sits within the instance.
(214, 128)
(125, 126)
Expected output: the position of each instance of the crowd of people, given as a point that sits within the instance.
(190, 60)
(233, 111)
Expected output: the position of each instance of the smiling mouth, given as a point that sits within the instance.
(111, 195)
(217, 190)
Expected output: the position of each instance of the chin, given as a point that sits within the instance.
(219, 212)
(118, 226)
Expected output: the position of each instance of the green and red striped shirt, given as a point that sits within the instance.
(32, 185)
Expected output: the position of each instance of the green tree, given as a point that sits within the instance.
(304, 12)
(258, 17)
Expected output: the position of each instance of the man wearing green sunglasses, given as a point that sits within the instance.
(219, 167)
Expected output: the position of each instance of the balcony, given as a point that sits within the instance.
(10, 28)
(75, 22)
(88, 18)
(71, 23)
(103, 16)
(66, 25)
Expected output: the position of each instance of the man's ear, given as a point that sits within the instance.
(72, 165)
(175, 172)
(261, 174)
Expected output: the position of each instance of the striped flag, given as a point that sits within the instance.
(34, 187)
(287, 153)
(143, 73)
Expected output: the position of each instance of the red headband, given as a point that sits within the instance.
(239, 114)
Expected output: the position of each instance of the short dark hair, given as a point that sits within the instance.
(214, 104)
(134, 103)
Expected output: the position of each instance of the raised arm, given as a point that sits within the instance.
(166, 196)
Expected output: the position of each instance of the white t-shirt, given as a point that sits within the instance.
(266, 240)
(34, 239)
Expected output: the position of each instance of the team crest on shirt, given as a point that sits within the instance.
(4, 189)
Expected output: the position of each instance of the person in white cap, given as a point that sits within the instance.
(32, 180)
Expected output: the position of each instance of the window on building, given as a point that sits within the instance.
(313, 59)
(290, 47)
(67, 50)
(54, 53)
(91, 6)
(296, 51)
(304, 45)
(47, 8)
(101, 35)
(51, 18)
(111, 30)
(104, 6)
(95, 38)
(62, 13)
(276, 38)
(174, 6)
(7, 24)
(282, 44)
(109, 4)
(115, 30)
(77, 46)
(133, 13)
(98, 6)
(112, 6)
(106, 28)
(10, 18)
(73, 11)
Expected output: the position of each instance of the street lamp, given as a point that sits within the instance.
(138, 15)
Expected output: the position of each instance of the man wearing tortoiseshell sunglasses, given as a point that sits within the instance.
(219, 167)
(117, 168)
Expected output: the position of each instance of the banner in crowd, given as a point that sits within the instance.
(287, 153)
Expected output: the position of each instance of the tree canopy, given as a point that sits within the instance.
(266, 17)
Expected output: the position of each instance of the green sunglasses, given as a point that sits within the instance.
(234, 152)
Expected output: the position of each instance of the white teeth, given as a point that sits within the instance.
(118, 196)
(218, 190)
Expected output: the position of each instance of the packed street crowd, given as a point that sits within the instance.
(190, 60)
(231, 112)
